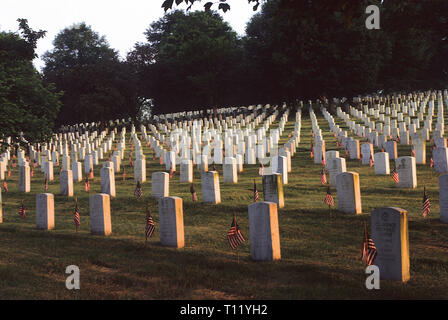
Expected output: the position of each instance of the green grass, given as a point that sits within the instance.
(320, 253)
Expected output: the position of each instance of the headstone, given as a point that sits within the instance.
(229, 170)
(390, 235)
(48, 170)
(335, 167)
(407, 172)
(381, 163)
(171, 222)
(264, 231)
(273, 189)
(443, 197)
(107, 177)
(24, 178)
(77, 171)
(66, 183)
(186, 171)
(440, 158)
(100, 222)
(210, 187)
(140, 170)
(349, 194)
(391, 149)
(160, 183)
(45, 211)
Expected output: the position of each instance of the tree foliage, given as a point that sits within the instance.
(28, 107)
(189, 61)
(97, 86)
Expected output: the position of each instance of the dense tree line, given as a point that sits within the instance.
(301, 49)
(28, 107)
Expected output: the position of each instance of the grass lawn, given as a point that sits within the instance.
(320, 253)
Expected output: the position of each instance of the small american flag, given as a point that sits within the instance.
(371, 162)
(395, 175)
(46, 184)
(87, 184)
(160, 160)
(398, 139)
(382, 149)
(346, 152)
(150, 226)
(32, 172)
(329, 198)
(369, 251)
(91, 173)
(426, 207)
(234, 236)
(312, 150)
(261, 169)
(138, 190)
(323, 160)
(171, 171)
(22, 211)
(131, 163)
(431, 162)
(255, 192)
(323, 177)
(193, 193)
(9, 172)
(124, 174)
(77, 219)
(413, 152)
(13, 163)
(5, 186)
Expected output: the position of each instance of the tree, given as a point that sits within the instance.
(222, 4)
(97, 85)
(190, 61)
(27, 105)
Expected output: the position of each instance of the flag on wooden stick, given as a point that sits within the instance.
(426, 204)
(234, 236)
(22, 211)
(87, 184)
(5, 186)
(255, 192)
(46, 184)
(138, 190)
(124, 174)
(394, 175)
(329, 198)
(193, 193)
(150, 226)
(77, 219)
(369, 251)
(261, 169)
(323, 177)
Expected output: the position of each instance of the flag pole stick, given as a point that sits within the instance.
(236, 224)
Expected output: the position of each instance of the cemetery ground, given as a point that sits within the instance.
(320, 251)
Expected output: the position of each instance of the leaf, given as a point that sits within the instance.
(224, 7)
(167, 4)
(256, 6)
(208, 5)
(178, 2)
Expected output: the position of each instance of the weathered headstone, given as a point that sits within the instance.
(407, 172)
(273, 189)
